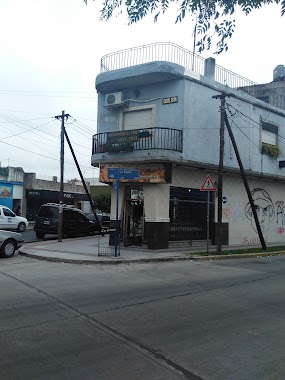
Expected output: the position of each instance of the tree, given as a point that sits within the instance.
(214, 17)
(103, 202)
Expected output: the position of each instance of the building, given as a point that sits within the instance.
(158, 113)
(98, 188)
(18, 188)
(273, 92)
(39, 191)
(11, 187)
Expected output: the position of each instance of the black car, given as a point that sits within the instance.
(74, 221)
(104, 220)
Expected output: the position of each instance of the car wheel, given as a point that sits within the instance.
(40, 235)
(8, 248)
(21, 227)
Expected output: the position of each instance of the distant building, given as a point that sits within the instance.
(40, 191)
(97, 188)
(273, 92)
(11, 187)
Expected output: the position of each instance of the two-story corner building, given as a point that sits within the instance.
(157, 113)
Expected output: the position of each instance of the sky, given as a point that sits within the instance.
(50, 57)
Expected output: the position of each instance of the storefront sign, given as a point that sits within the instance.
(148, 173)
(120, 137)
(5, 191)
(53, 196)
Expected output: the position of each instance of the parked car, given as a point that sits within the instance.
(74, 221)
(104, 220)
(9, 243)
(10, 221)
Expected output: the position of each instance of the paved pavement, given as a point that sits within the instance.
(96, 250)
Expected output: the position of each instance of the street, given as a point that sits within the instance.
(180, 320)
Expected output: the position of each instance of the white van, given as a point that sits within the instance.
(10, 221)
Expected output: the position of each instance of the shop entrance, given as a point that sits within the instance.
(133, 220)
(188, 214)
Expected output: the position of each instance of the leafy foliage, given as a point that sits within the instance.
(214, 17)
(271, 150)
(103, 202)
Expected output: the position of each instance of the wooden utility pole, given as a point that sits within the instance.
(259, 231)
(60, 217)
(83, 181)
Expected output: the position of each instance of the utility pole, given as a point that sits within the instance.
(60, 217)
(253, 209)
(221, 169)
(83, 181)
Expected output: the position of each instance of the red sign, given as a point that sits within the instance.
(208, 185)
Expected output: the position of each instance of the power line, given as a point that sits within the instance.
(42, 155)
(78, 129)
(39, 118)
(258, 126)
(51, 91)
(16, 122)
(29, 130)
(34, 113)
(48, 96)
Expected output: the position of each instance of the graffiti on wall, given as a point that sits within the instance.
(280, 217)
(264, 208)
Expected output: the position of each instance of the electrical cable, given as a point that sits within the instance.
(38, 154)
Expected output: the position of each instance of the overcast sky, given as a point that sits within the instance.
(50, 56)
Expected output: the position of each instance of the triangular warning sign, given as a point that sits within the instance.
(208, 185)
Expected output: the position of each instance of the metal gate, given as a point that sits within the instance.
(188, 215)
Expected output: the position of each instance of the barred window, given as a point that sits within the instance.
(269, 133)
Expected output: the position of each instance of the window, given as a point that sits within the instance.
(269, 133)
(138, 118)
(8, 212)
(48, 212)
(269, 139)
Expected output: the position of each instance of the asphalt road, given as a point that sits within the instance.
(30, 236)
(162, 321)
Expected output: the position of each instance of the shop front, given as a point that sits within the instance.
(35, 198)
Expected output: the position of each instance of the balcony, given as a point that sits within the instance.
(137, 140)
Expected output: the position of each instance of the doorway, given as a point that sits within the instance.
(133, 227)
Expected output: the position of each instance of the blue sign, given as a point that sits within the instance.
(224, 199)
(123, 174)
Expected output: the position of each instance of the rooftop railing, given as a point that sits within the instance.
(169, 52)
(160, 51)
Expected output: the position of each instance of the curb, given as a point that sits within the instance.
(237, 256)
(113, 262)
(191, 257)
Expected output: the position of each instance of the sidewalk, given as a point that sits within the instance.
(96, 250)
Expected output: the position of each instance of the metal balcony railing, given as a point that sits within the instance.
(166, 51)
(160, 51)
(138, 139)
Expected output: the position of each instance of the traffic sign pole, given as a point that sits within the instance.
(208, 186)
(117, 174)
(117, 217)
(208, 219)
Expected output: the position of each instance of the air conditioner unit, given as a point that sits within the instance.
(115, 99)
